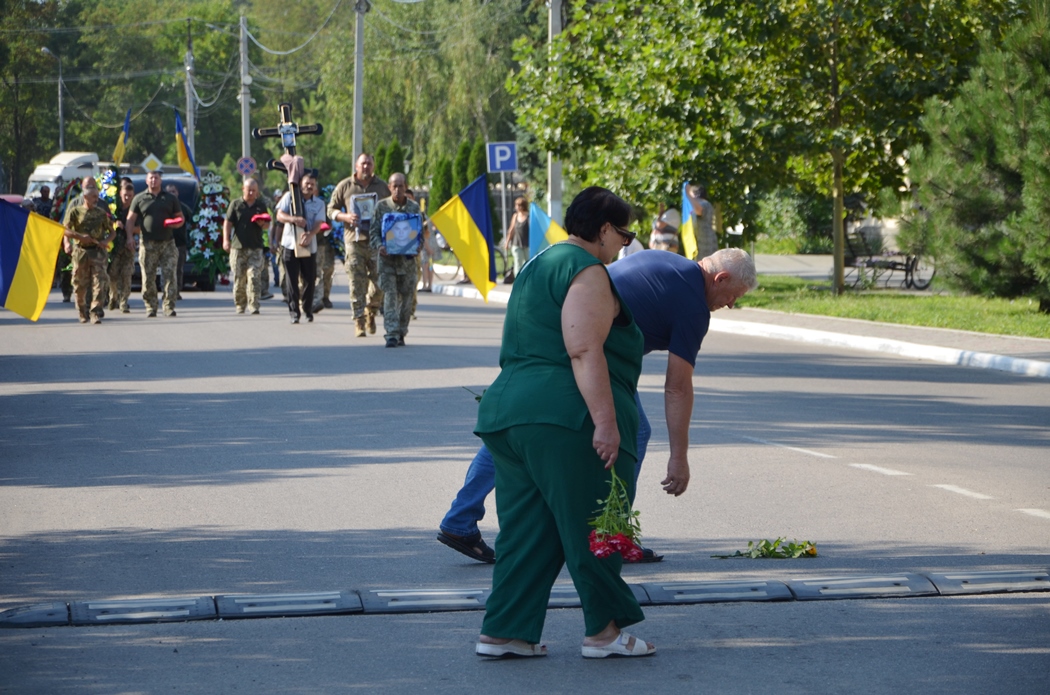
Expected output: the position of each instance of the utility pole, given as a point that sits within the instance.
(61, 116)
(246, 96)
(360, 8)
(554, 187)
(191, 102)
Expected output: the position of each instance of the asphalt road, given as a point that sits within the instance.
(214, 453)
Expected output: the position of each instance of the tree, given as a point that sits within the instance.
(984, 178)
(478, 163)
(441, 189)
(395, 158)
(461, 167)
(381, 169)
(746, 96)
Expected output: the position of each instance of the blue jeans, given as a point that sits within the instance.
(469, 506)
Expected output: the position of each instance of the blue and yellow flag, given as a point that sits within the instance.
(122, 141)
(29, 246)
(466, 223)
(543, 231)
(688, 228)
(186, 162)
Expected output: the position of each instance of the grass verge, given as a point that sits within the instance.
(1018, 317)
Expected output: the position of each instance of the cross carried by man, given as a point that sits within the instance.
(290, 163)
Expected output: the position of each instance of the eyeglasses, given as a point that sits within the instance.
(628, 237)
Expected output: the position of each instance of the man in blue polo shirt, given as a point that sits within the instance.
(671, 299)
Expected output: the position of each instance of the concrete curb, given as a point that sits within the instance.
(953, 356)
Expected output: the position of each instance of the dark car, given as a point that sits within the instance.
(189, 194)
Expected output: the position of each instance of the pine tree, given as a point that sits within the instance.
(984, 178)
(381, 170)
(461, 167)
(395, 159)
(478, 164)
(441, 188)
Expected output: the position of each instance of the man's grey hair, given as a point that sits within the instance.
(737, 263)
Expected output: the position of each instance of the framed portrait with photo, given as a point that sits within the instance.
(402, 232)
(364, 205)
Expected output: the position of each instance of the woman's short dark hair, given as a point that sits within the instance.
(591, 209)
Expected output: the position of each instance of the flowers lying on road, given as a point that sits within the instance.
(775, 549)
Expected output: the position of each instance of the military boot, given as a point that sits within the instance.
(359, 327)
(371, 322)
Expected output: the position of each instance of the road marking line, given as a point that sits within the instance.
(1041, 513)
(964, 491)
(877, 469)
(792, 448)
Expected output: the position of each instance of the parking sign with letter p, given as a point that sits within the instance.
(502, 156)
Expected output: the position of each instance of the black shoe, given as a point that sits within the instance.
(152, 315)
(309, 318)
(471, 546)
(425, 289)
(66, 300)
(171, 315)
(391, 342)
(401, 341)
(647, 556)
(256, 311)
(318, 307)
(327, 303)
(267, 295)
(178, 298)
(295, 319)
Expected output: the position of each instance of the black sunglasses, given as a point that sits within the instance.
(628, 237)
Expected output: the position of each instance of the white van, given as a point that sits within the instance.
(63, 168)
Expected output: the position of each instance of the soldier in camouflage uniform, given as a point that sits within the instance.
(365, 296)
(325, 271)
(397, 273)
(122, 262)
(90, 231)
(243, 236)
(154, 213)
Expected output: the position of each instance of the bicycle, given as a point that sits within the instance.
(448, 267)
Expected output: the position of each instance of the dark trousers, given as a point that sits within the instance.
(179, 263)
(294, 267)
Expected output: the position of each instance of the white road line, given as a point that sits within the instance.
(877, 469)
(792, 448)
(1041, 513)
(964, 491)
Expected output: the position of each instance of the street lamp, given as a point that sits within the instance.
(61, 120)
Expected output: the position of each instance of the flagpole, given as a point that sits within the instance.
(554, 184)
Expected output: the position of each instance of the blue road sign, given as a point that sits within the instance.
(502, 156)
(246, 165)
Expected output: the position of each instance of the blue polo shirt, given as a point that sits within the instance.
(665, 293)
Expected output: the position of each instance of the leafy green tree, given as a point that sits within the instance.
(461, 167)
(395, 158)
(984, 178)
(441, 189)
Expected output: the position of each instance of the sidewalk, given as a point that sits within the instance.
(1026, 356)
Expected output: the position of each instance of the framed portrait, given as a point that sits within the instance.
(364, 204)
(402, 232)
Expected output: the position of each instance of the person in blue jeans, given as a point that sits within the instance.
(671, 298)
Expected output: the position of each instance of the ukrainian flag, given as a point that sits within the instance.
(29, 246)
(466, 223)
(688, 228)
(122, 141)
(543, 231)
(183, 152)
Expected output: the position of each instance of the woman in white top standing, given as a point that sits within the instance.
(301, 261)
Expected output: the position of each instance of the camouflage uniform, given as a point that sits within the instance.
(89, 262)
(397, 274)
(247, 267)
(157, 248)
(360, 257)
(163, 255)
(121, 268)
(325, 267)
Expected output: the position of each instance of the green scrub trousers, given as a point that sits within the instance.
(548, 483)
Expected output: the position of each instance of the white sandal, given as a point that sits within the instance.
(618, 647)
(515, 647)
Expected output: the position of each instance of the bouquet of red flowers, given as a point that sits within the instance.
(616, 528)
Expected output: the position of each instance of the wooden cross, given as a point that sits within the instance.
(287, 129)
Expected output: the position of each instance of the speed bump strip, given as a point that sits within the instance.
(875, 586)
(422, 600)
(716, 592)
(955, 583)
(147, 610)
(37, 615)
(288, 605)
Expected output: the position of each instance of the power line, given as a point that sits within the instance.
(121, 124)
(98, 27)
(299, 48)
